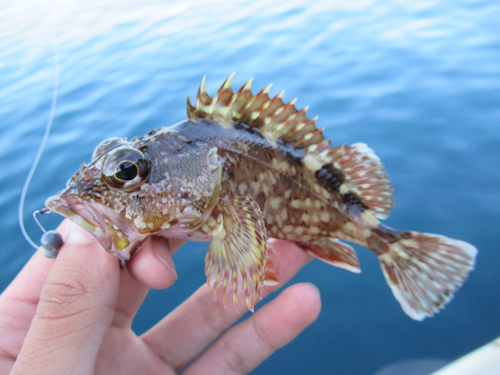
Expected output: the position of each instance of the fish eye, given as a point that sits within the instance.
(126, 169)
(107, 145)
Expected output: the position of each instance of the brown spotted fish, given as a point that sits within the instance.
(244, 168)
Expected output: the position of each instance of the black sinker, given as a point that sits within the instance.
(126, 171)
(330, 177)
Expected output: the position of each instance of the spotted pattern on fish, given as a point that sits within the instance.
(243, 168)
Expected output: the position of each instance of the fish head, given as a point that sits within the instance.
(133, 189)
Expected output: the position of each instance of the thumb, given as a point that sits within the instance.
(75, 310)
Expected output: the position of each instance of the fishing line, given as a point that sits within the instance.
(39, 155)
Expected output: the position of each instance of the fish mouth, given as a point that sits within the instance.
(116, 236)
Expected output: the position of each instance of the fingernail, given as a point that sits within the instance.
(166, 258)
(76, 234)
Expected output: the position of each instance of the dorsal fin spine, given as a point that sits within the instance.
(190, 108)
(284, 108)
(266, 90)
(274, 118)
(202, 95)
(247, 86)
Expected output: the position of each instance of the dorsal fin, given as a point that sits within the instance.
(357, 174)
(367, 178)
(275, 119)
(355, 171)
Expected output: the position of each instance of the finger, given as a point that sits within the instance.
(177, 342)
(248, 344)
(153, 265)
(17, 308)
(27, 285)
(19, 301)
(76, 307)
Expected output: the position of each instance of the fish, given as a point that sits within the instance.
(244, 168)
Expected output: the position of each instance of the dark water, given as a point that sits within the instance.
(418, 83)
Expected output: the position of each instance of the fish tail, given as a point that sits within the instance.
(424, 270)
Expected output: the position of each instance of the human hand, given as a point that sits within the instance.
(73, 315)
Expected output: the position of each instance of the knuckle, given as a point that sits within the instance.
(235, 361)
(62, 300)
(8, 355)
(212, 313)
(70, 295)
(264, 337)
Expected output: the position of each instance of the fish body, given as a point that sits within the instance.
(244, 168)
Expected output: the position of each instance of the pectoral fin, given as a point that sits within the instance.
(237, 255)
(272, 266)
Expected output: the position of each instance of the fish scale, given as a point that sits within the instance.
(244, 168)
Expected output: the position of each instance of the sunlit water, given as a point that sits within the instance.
(419, 82)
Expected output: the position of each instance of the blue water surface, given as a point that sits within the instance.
(419, 82)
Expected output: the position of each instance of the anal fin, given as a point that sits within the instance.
(237, 256)
(336, 253)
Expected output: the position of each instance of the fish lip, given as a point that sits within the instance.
(112, 231)
(72, 207)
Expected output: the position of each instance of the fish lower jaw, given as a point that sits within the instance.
(122, 257)
(122, 244)
(182, 233)
(125, 254)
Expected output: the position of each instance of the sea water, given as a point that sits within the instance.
(419, 82)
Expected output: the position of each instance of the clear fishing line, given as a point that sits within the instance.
(40, 149)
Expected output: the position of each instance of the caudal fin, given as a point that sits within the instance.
(424, 270)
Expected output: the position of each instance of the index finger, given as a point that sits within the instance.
(193, 325)
(19, 301)
(76, 308)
